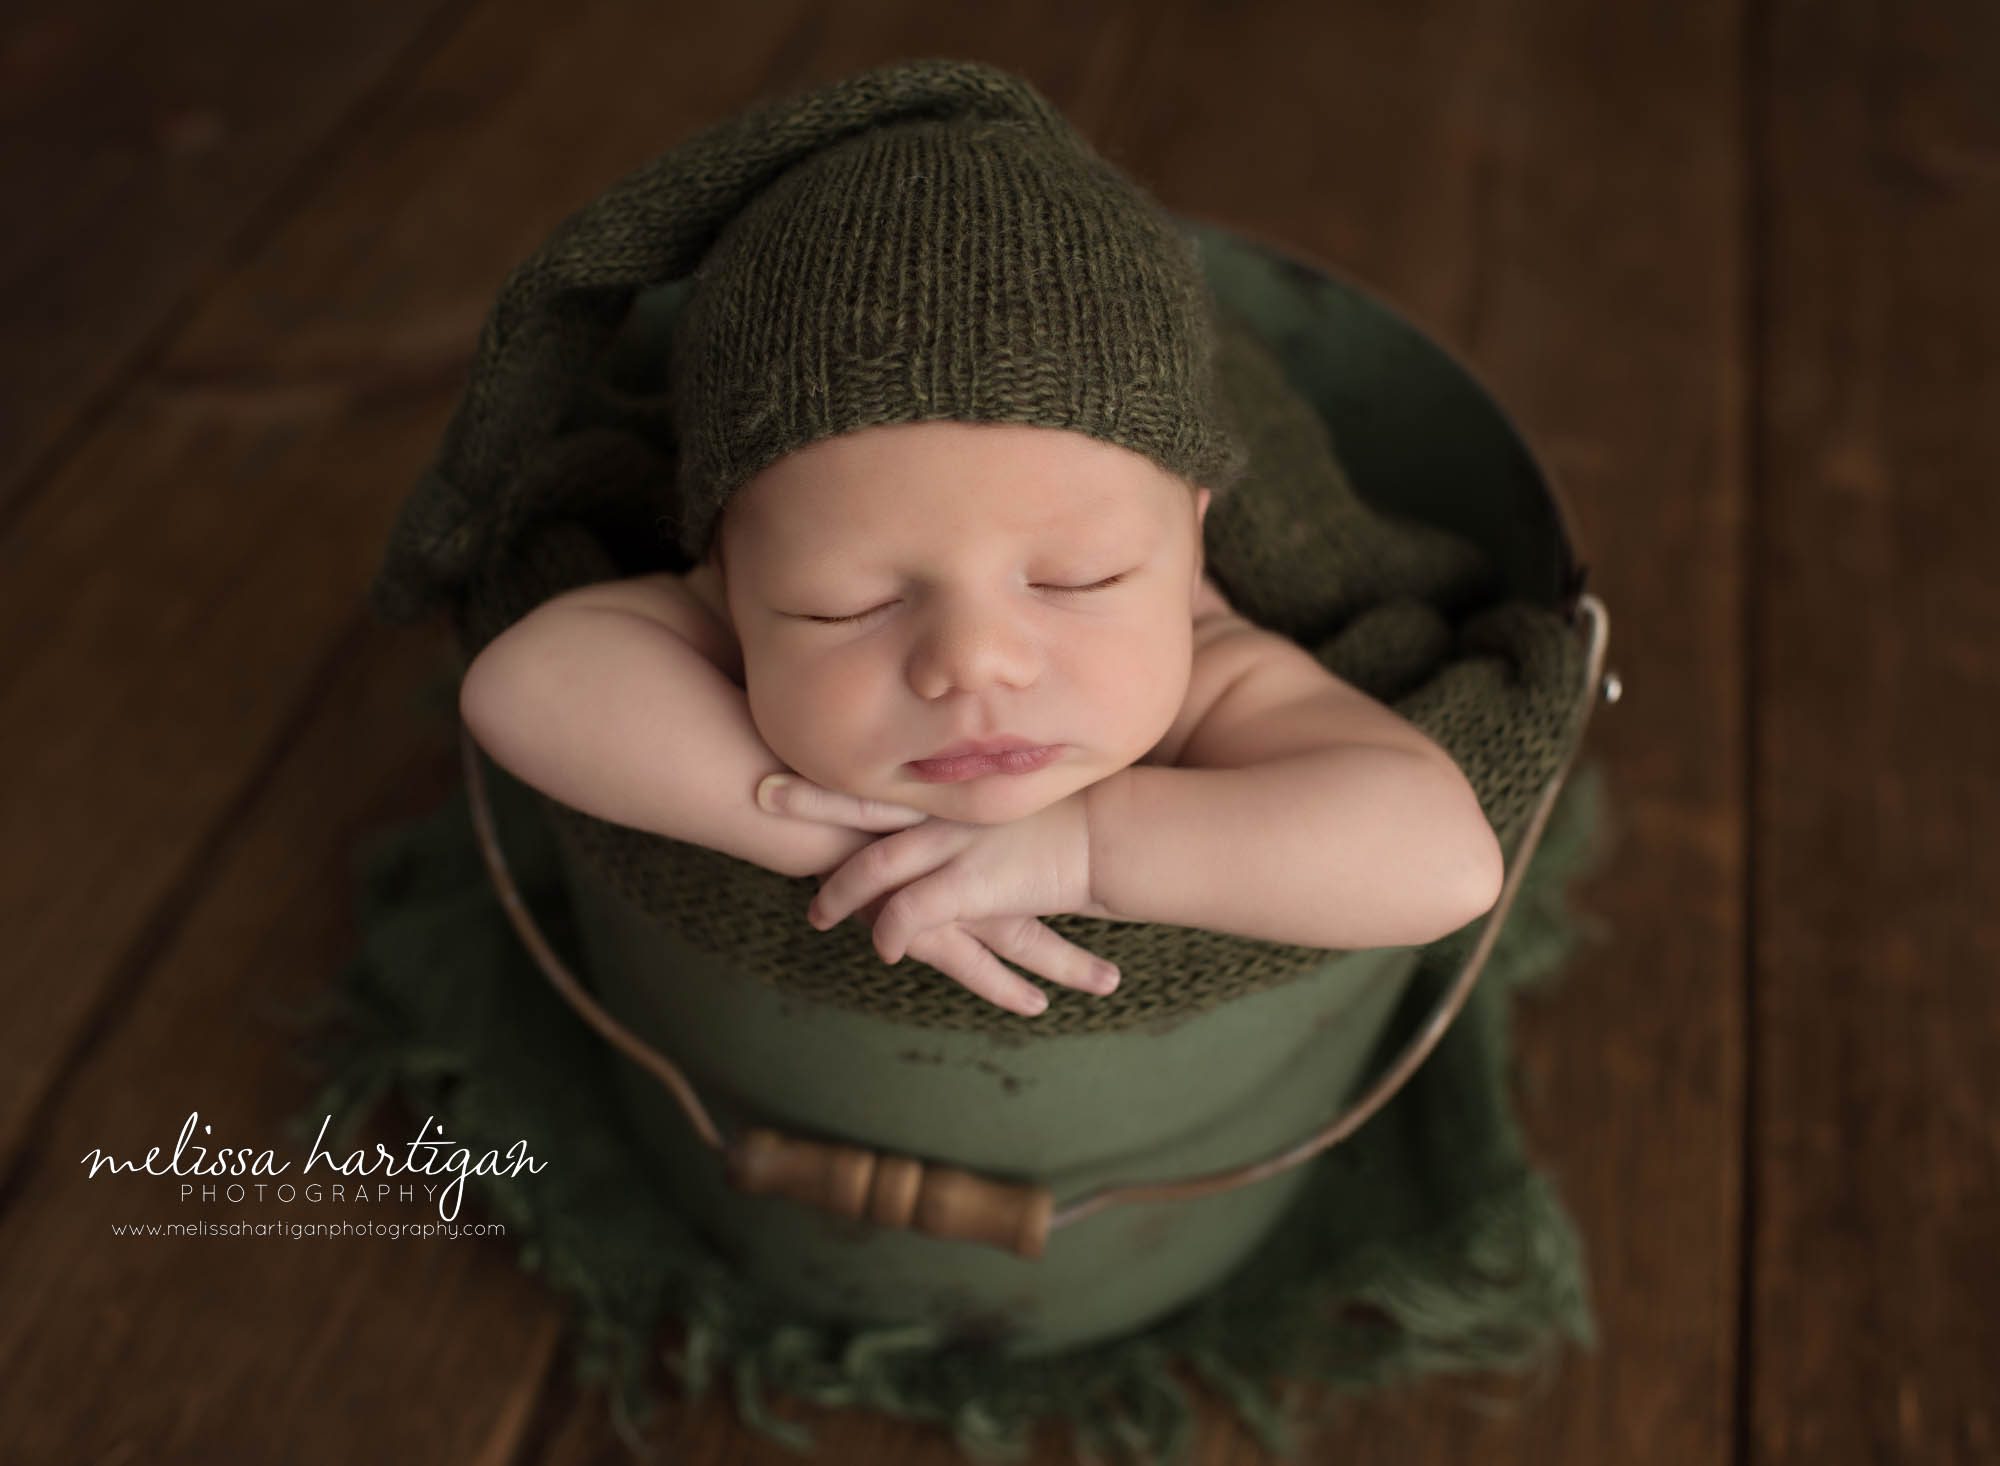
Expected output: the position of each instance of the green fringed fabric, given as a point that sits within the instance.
(1427, 1242)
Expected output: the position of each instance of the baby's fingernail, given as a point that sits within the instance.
(768, 789)
(1105, 978)
(1037, 1004)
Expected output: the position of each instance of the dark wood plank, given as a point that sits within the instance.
(1555, 194)
(261, 1348)
(184, 583)
(1878, 686)
(146, 145)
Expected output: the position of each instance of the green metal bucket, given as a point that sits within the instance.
(1241, 1082)
(1078, 1112)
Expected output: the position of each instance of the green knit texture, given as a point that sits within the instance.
(1426, 1243)
(983, 270)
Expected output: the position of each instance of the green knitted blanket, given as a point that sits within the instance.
(1424, 1243)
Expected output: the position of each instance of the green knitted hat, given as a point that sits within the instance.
(929, 240)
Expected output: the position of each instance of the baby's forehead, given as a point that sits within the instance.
(788, 532)
(935, 488)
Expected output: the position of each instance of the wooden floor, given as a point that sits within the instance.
(1731, 263)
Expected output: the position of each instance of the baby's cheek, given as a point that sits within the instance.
(817, 723)
(1150, 678)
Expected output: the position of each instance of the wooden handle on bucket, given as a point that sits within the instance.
(893, 1190)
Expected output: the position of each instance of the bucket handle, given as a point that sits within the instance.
(957, 1205)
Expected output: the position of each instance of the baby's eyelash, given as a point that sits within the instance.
(1079, 589)
(1069, 590)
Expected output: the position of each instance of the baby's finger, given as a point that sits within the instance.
(921, 905)
(870, 873)
(803, 799)
(1036, 946)
(956, 953)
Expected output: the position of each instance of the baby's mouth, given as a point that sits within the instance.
(978, 765)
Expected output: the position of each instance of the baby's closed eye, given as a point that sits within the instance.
(1105, 584)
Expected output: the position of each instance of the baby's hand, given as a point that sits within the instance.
(960, 896)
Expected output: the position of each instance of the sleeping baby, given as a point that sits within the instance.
(948, 434)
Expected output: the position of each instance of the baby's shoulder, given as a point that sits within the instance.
(688, 605)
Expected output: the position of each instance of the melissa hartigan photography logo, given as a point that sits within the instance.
(430, 1167)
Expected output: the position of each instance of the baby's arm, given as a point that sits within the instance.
(604, 699)
(1301, 810)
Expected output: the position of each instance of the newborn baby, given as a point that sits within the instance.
(863, 617)
(947, 433)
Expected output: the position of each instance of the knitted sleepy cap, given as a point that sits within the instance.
(930, 240)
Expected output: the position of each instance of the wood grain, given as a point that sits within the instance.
(147, 147)
(1877, 786)
(260, 1348)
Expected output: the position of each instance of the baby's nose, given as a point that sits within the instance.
(958, 652)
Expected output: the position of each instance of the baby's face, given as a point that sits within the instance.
(956, 547)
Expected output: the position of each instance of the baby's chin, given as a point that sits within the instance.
(982, 806)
